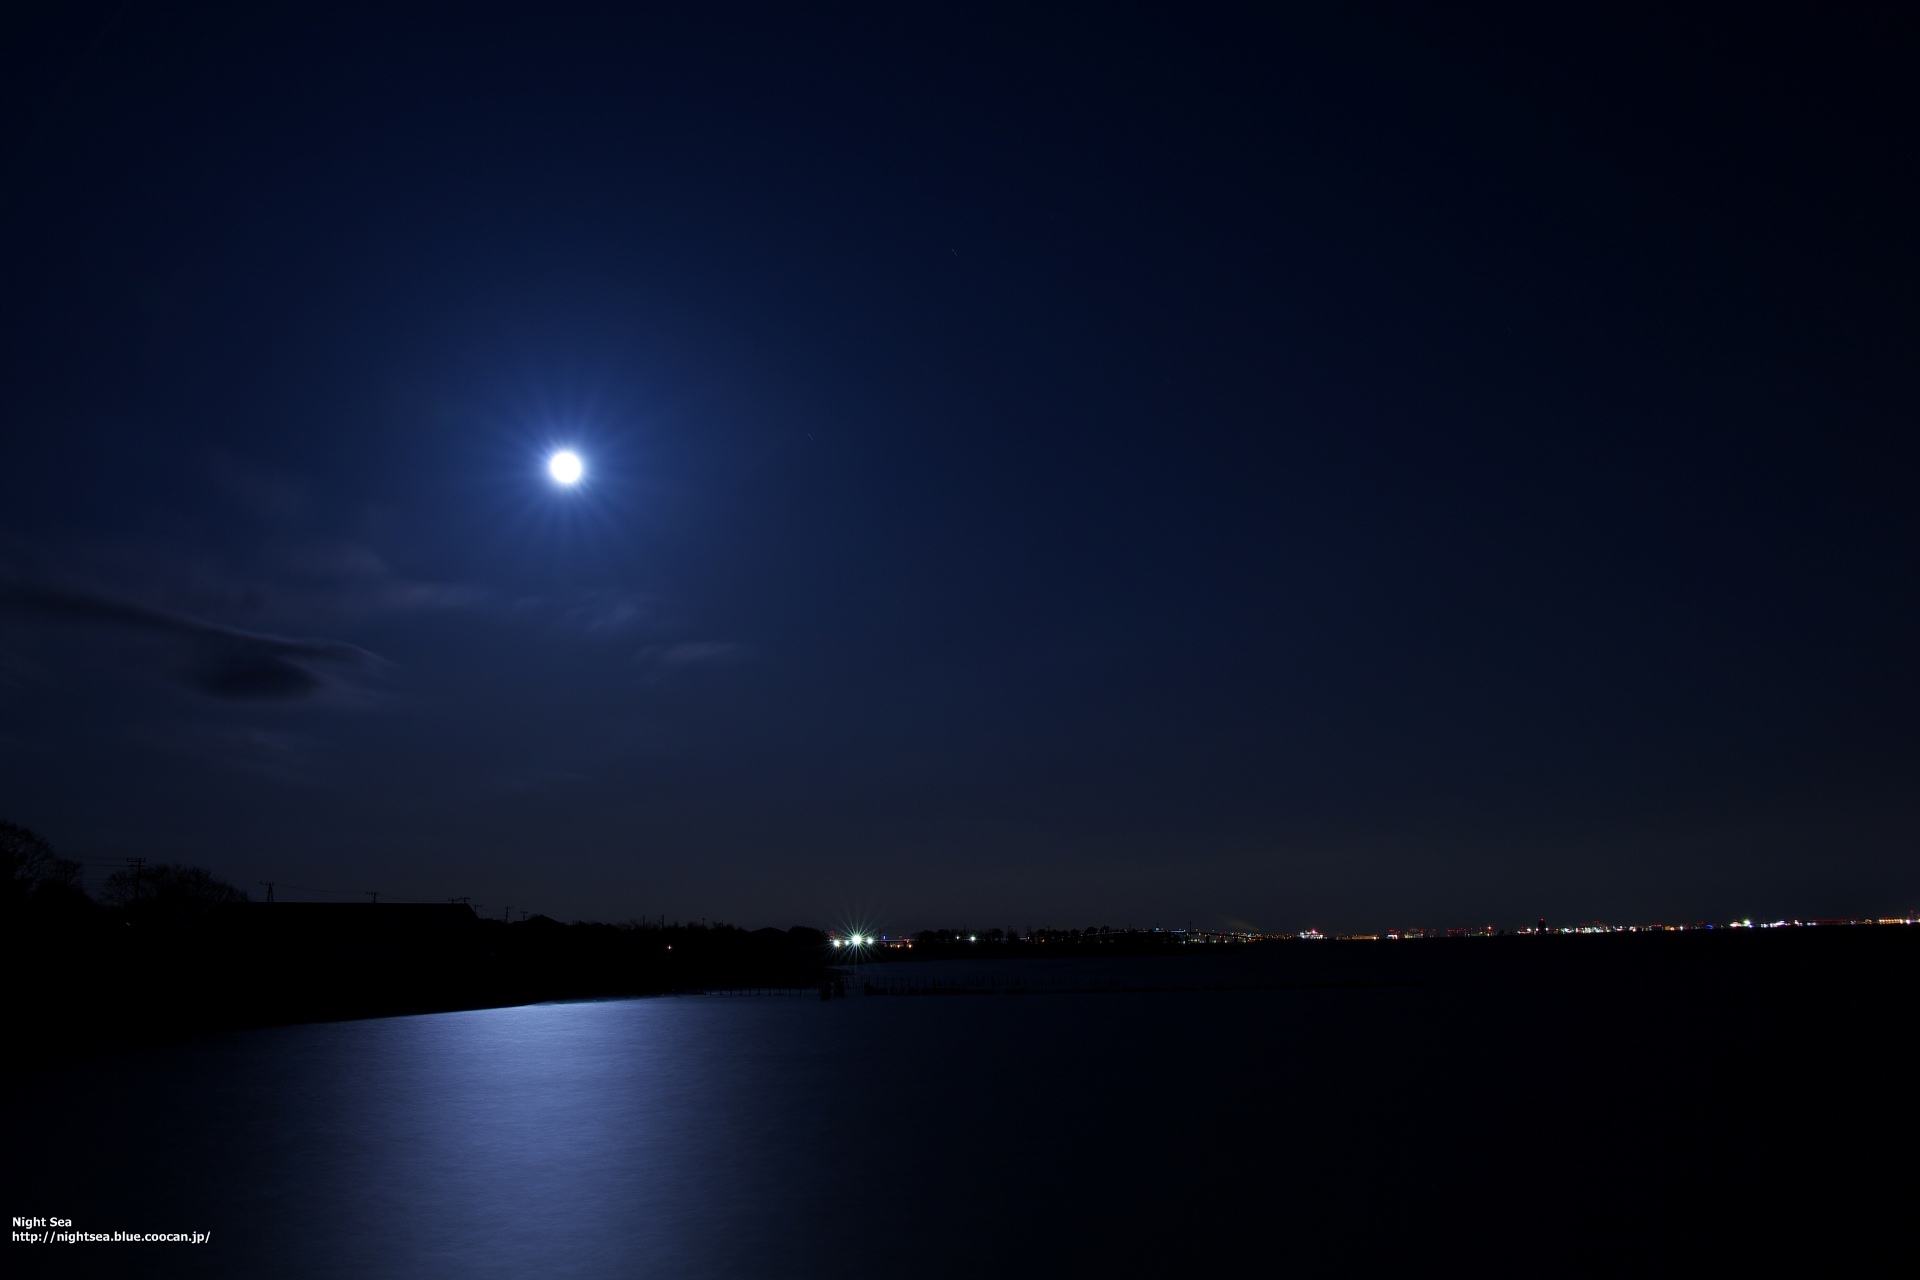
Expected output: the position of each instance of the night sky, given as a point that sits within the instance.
(1356, 467)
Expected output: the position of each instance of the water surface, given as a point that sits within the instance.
(944, 1136)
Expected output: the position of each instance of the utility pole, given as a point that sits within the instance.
(375, 895)
(269, 885)
(136, 864)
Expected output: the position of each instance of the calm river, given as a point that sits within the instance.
(934, 1136)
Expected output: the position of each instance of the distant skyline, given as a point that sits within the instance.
(1040, 466)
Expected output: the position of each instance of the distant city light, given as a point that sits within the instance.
(882, 944)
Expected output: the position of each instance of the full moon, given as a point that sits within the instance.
(566, 467)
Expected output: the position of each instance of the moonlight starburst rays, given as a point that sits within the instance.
(563, 484)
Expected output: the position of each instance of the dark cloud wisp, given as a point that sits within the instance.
(218, 661)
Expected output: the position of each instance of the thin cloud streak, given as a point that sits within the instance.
(219, 661)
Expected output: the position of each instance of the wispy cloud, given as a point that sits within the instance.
(216, 660)
(313, 580)
(606, 613)
(693, 653)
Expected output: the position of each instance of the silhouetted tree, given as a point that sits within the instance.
(170, 893)
(37, 880)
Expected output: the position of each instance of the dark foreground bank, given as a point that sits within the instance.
(105, 976)
(165, 950)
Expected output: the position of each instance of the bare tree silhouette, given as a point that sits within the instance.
(169, 892)
(36, 878)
